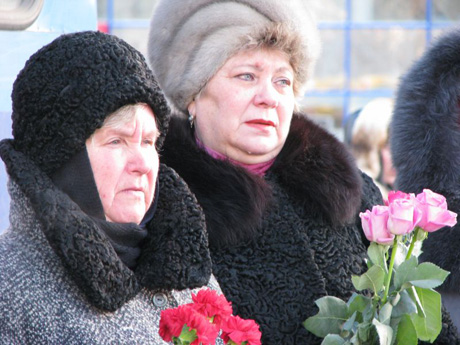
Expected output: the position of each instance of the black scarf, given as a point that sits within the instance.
(76, 179)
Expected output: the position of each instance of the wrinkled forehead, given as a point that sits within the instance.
(127, 113)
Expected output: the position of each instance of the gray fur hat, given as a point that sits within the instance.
(190, 40)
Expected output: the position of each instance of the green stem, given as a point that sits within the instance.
(412, 242)
(390, 270)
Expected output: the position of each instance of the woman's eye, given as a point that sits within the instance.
(246, 76)
(115, 142)
(149, 142)
(284, 82)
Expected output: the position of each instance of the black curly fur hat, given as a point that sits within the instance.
(68, 88)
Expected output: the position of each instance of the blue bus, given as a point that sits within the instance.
(26, 26)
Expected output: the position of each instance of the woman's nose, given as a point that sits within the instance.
(267, 96)
(141, 160)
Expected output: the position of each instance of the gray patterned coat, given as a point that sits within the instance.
(61, 282)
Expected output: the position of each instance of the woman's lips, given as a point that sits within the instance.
(261, 122)
(133, 190)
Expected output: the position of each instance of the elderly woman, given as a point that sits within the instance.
(281, 196)
(426, 148)
(102, 236)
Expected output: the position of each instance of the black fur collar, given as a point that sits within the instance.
(175, 255)
(314, 167)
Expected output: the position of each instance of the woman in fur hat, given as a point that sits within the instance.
(281, 195)
(425, 144)
(102, 236)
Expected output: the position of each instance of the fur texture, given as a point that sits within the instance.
(425, 142)
(174, 257)
(67, 89)
(312, 166)
(319, 172)
(280, 242)
(190, 40)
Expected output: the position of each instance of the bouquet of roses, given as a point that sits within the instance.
(401, 305)
(201, 322)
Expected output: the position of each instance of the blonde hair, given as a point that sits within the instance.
(280, 36)
(370, 134)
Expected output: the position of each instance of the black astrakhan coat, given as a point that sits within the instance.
(425, 143)
(281, 241)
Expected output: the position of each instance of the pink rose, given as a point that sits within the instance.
(395, 195)
(404, 215)
(435, 214)
(375, 225)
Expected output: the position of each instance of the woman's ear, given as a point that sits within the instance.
(192, 108)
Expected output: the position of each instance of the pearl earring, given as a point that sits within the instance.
(191, 119)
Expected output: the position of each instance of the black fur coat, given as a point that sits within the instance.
(281, 241)
(425, 143)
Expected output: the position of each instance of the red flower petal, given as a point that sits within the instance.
(173, 320)
(212, 305)
(240, 330)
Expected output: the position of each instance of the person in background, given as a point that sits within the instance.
(281, 195)
(102, 236)
(369, 142)
(425, 144)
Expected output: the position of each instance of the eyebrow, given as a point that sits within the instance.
(279, 69)
(125, 132)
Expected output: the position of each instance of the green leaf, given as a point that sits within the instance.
(358, 303)
(427, 275)
(400, 254)
(406, 333)
(428, 327)
(385, 314)
(376, 254)
(348, 325)
(333, 312)
(364, 330)
(333, 339)
(187, 336)
(405, 305)
(394, 298)
(354, 340)
(414, 296)
(403, 271)
(370, 280)
(384, 332)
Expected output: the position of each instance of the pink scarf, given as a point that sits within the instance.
(258, 169)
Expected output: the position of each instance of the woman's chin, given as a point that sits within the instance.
(126, 217)
(255, 154)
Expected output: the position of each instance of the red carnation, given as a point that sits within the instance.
(215, 307)
(240, 330)
(172, 324)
